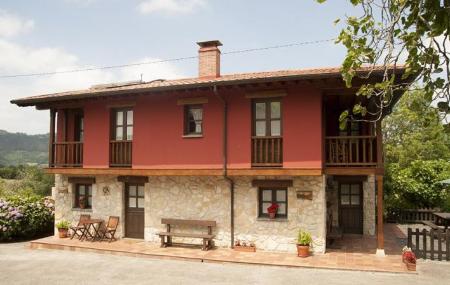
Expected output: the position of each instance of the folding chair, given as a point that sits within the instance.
(110, 230)
(79, 229)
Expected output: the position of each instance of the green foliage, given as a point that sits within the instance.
(63, 224)
(414, 131)
(25, 217)
(388, 32)
(417, 185)
(304, 238)
(25, 180)
(19, 148)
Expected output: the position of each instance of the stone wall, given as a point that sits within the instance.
(208, 198)
(104, 203)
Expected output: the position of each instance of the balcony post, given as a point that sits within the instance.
(379, 184)
(51, 141)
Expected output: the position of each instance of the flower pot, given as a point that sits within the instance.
(302, 250)
(62, 233)
(410, 266)
(272, 215)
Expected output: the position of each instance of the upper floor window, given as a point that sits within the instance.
(79, 127)
(353, 128)
(83, 196)
(267, 118)
(123, 124)
(193, 119)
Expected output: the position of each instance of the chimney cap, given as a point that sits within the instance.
(213, 43)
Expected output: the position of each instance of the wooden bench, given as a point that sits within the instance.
(166, 237)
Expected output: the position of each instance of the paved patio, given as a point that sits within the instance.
(352, 253)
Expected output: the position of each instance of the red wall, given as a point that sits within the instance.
(158, 140)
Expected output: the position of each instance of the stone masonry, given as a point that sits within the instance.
(203, 197)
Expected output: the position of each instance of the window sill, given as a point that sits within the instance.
(263, 219)
(82, 210)
(192, 136)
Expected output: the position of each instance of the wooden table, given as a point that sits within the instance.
(444, 217)
(91, 231)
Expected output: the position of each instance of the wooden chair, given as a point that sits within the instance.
(79, 229)
(110, 229)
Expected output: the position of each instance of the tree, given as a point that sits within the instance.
(389, 32)
(414, 131)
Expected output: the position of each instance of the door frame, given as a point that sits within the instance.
(361, 201)
(126, 206)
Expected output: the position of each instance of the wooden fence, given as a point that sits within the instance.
(411, 216)
(430, 244)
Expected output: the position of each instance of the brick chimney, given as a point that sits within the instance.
(209, 59)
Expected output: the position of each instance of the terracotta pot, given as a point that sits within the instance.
(410, 266)
(62, 233)
(302, 250)
(272, 215)
(82, 204)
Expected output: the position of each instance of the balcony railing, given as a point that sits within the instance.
(120, 153)
(67, 154)
(267, 151)
(352, 151)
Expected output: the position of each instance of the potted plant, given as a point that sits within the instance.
(409, 258)
(244, 246)
(63, 228)
(304, 241)
(272, 210)
(82, 202)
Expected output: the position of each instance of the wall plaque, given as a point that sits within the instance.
(304, 195)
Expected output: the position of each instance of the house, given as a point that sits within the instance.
(223, 148)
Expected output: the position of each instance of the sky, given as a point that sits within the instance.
(59, 35)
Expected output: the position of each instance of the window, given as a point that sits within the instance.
(269, 195)
(193, 119)
(123, 125)
(83, 196)
(135, 196)
(267, 118)
(79, 127)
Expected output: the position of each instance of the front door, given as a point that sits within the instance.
(350, 208)
(134, 210)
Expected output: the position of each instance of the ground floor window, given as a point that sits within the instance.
(83, 196)
(269, 196)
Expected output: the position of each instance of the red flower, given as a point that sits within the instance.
(409, 256)
(273, 208)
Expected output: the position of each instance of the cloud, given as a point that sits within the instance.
(170, 6)
(12, 25)
(20, 59)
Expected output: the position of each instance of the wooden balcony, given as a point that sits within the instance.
(120, 153)
(67, 154)
(351, 151)
(267, 151)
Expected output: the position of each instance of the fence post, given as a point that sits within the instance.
(432, 244)
(424, 239)
(409, 237)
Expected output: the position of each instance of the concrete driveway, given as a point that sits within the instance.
(21, 265)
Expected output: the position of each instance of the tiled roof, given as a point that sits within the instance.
(176, 84)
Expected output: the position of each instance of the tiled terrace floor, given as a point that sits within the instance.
(355, 253)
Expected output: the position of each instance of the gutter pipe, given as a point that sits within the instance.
(225, 161)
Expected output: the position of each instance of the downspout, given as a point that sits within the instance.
(225, 161)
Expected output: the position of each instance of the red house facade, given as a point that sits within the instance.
(219, 147)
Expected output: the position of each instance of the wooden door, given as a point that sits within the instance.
(134, 210)
(350, 208)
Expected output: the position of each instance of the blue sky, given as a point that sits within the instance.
(49, 35)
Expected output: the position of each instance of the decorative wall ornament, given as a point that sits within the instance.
(105, 190)
(304, 195)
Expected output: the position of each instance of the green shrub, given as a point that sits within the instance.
(25, 217)
(304, 238)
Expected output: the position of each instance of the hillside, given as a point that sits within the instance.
(20, 148)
